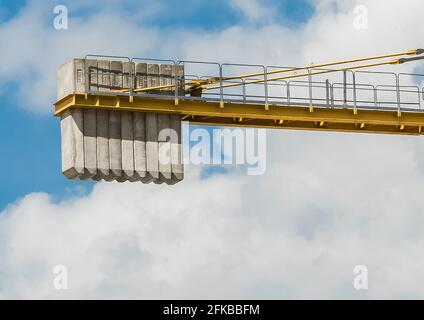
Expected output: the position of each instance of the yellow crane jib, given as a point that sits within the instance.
(349, 103)
(113, 112)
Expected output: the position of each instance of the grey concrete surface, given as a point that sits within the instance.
(119, 145)
(72, 122)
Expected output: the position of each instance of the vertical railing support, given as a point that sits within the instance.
(176, 83)
(311, 108)
(266, 87)
(398, 94)
(344, 87)
(221, 89)
(327, 91)
(288, 92)
(355, 110)
(131, 80)
(244, 90)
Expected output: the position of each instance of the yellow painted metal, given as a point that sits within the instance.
(254, 115)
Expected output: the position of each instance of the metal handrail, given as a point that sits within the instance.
(275, 92)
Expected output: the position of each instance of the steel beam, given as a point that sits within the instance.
(256, 115)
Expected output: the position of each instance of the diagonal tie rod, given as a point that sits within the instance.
(396, 61)
(198, 84)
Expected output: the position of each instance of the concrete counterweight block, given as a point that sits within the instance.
(140, 75)
(102, 130)
(112, 144)
(103, 76)
(180, 74)
(90, 144)
(115, 146)
(127, 69)
(176, 148)
(164, 148)
(166, 78)
(90, 72)
(140, 146)
(152, 148)
(153, 79)
(127, 138)
(116, 75)
(72, 126)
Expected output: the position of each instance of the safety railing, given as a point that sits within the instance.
(264, 85)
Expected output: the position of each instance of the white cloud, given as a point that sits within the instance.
(327, 202)
(296, 232)
(252, 9)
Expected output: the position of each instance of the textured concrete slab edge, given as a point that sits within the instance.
(118, 145)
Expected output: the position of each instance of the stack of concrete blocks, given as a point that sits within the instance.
(119, 145)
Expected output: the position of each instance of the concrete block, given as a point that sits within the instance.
(127, 138)
(140, 146)
(176, 148)
(166, 78)
(140, 75)
(65, 83)
(103, 72)
(153, 79)
(128, 68)
(179, 69)
(72, 126)
(79, 73)
(120, 145)
(103, 158)
(71, 77)
(115, 146)
(90, 144)
(116, 75)
(164, 145)
(152, 148)
(92, 69)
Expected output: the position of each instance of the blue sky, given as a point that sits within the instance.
(32, 160)
(210, 15)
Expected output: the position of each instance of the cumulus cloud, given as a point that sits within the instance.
(252, 9)
(327, 202)
(296, 232)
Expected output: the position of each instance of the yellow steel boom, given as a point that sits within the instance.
(389, 117)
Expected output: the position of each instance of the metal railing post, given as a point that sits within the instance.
(86, 76)
(310, 90)
(354, 92)
(176, 84)
(131, 79)
(344, 87)
(398, 92)
(288, 92)
(266, 87)
(375, 96)
(327, 91)
(221, 89)
(244, 90)
(422, 93)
